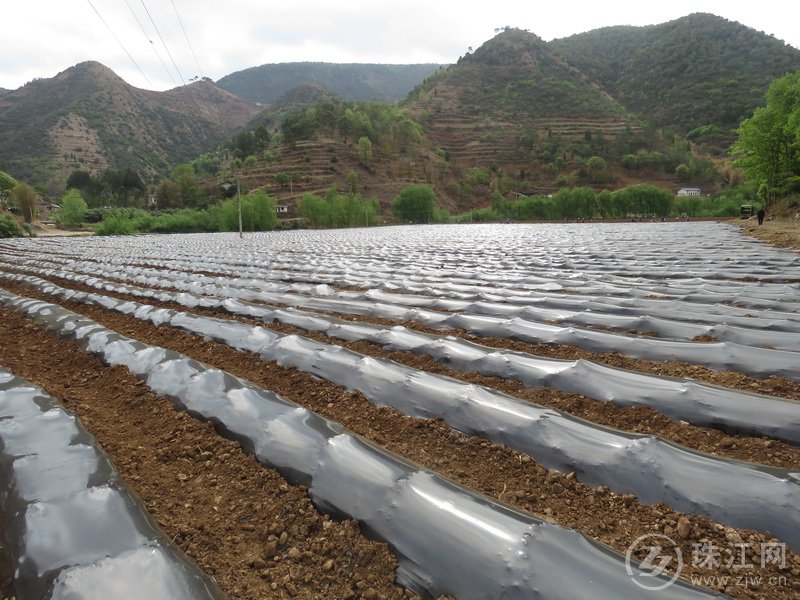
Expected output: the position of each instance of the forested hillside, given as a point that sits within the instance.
(699, 75)
(357, 82)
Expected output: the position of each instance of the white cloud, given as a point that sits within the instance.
(41, 38)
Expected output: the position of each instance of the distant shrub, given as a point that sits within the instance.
(9, 227)
(482, 215)
(73, 209)
(182, 221)
(115, 224)
(258, 214)
(480, 176)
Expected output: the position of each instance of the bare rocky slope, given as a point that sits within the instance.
(89, 118)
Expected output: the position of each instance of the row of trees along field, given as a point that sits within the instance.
(632, 202)
(339, 210)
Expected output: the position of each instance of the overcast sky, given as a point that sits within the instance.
(181, 39)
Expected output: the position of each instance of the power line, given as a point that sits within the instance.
(119, 42)
(163, 43)
(199, 70)
(155, 49)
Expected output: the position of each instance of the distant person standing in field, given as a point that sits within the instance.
(760, 214)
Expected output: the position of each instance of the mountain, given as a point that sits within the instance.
(305, 96)
(356, 82)
(699, 71)
(510, 100)
(87, 117)
(516, 116)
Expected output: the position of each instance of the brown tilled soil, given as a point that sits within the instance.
(259, 536)
(7, 591)
(230, 514)
(495, 470)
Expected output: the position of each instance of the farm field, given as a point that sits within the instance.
(476, 411)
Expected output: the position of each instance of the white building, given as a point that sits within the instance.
(689, 192)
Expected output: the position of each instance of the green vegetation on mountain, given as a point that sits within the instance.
(520, 110)
(353, 82)
(382, 124)
(699, 71)
(304, 96)
(517, 74)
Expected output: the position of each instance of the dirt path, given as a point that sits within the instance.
(48, 230)
(783, 233)
(244, 524)
(495, 470)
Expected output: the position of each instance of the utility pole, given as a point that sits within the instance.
(239, 204)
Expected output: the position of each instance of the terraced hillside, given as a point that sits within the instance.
(501, 426)
(510, 97)
(316, 166)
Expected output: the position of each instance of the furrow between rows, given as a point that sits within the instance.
(487, 466)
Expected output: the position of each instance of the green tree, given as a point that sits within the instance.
(184, 177)
(123, 187)
(315, 209)
(352, 182)
(768, 148)
(281, 179)
(596, 168)
(415, 204)
(364, 147)
(683, 172)
(7, 182)
(9, 226)
(168, 195)
(258, 212)
(630, 161)
(25, 199)
(73, 209)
